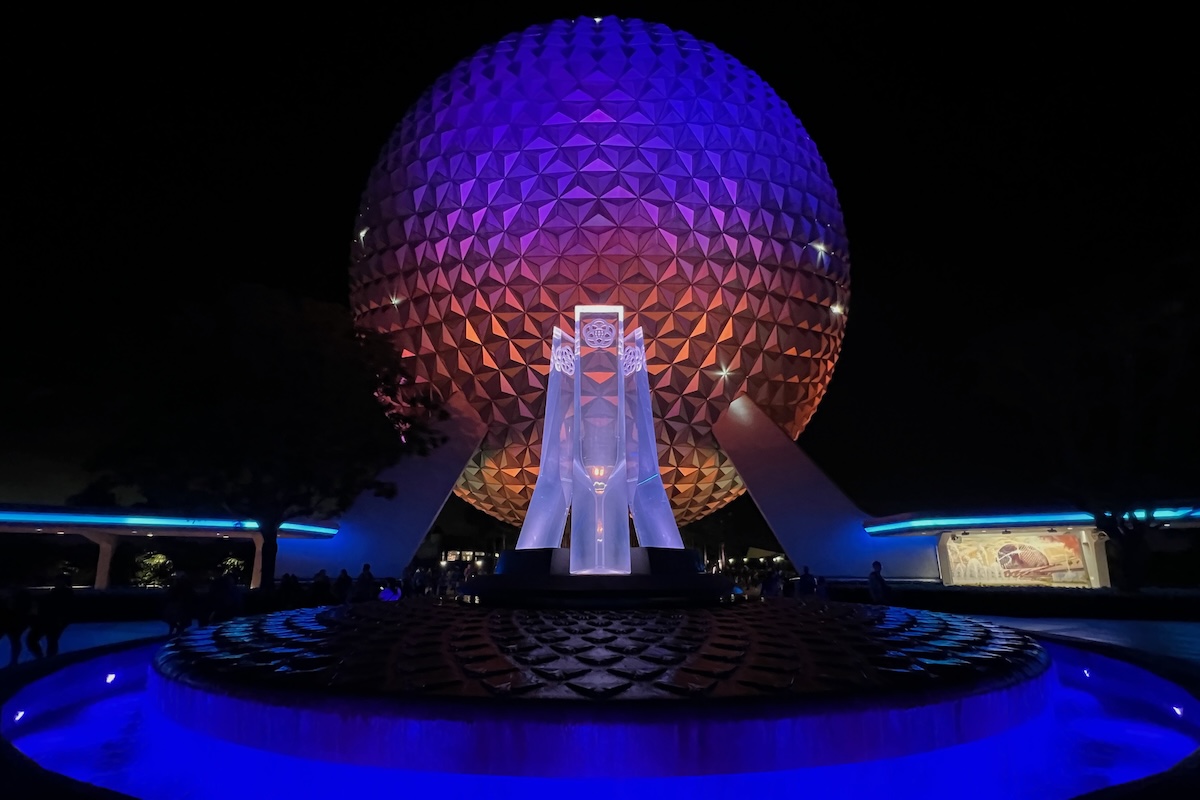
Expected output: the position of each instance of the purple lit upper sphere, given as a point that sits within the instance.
(609, 162)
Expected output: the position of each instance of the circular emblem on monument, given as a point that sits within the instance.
(564, 359)
(599, 333)
(632, 360)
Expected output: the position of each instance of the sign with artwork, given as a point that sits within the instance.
(995, 559)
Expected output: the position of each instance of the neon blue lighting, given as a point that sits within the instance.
(296, 526)
(1014, 520)
(35, 518)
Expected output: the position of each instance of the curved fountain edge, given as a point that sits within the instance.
(21, 773)
(582, 737)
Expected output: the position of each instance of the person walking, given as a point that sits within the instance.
(880, 591)
(806, 584)
(53, 615)
(342, 587)
(16, 612)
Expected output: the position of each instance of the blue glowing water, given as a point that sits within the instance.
(1109, 722)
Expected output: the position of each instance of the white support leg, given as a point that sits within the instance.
(815, 522)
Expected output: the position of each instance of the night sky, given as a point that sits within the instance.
(1000, 173)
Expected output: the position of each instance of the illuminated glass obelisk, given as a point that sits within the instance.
(599, 451)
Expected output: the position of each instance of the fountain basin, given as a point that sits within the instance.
(1082, 722)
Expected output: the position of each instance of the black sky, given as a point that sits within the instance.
(997, 167)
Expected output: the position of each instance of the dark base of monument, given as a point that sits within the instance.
(541, 578)
(597, 591)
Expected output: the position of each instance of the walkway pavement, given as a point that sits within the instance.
(1179, 640)
(83, 635)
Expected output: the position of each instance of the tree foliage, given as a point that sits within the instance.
(260, 406)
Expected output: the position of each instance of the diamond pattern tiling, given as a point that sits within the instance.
(786, 649)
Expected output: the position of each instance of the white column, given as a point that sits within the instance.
(107, 543)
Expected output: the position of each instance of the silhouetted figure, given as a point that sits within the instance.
(321, 589)
(52, 617)
(391, 591)
(806, 584)
(181, 603)
(420, 581)
(822, 588)
(291, 594)
(772, 585)
(224, 599)
(366, 587)
(342, 587)
(880, 591)
(16, 614)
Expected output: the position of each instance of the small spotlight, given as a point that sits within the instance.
(1178, 711)
(724, 372)
(18, 715)
(836, 308)
(110, 677)
(60, 533)
(1087, 673)
(151, 535)
(597, 20)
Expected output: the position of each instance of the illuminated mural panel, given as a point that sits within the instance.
(1022, 559)
(610, 162)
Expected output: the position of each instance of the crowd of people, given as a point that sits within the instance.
(417, 581)
(218, 601)
(31, 622)
(783, 581)
(35, 621)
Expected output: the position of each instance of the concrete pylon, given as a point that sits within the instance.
(107, 543)
(815, 522)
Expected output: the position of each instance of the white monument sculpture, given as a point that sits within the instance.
(599, 449)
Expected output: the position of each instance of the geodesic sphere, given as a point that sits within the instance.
(610, 162)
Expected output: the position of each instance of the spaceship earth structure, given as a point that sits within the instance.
(605, 162)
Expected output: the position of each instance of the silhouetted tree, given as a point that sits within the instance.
(260, 406)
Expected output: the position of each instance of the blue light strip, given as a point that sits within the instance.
(296, 526)
(1015, 520)
(39, 518)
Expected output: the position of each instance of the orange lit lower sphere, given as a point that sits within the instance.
(635, 166)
